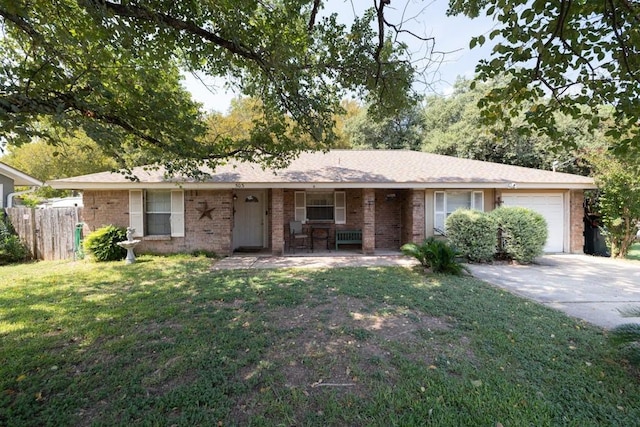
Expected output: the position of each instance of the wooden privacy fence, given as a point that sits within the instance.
(48, 233)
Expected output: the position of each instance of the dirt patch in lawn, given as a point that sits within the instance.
(335, 346)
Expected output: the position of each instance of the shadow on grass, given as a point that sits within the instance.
(168, 341)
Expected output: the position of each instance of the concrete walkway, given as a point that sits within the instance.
(591, 288)
(318, 260)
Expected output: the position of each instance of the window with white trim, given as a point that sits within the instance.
(320, 206)
(447, 202)
(157, 212)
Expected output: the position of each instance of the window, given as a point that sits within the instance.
(320, 206)
(446, 202)
(157, 212)
(328, 206)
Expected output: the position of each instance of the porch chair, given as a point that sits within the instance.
(297, 235)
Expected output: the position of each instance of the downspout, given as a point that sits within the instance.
(10, 196)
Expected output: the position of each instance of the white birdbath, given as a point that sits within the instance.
(129, 244)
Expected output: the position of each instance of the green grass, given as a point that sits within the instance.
(634, 252)
(167, 341)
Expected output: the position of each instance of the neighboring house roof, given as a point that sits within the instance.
(347, 169)
(19, 178)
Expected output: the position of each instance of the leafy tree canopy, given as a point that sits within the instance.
(111, 69)
(563, 55)
(454, 126)
(618, 179)
(75, 155)
(402, 131)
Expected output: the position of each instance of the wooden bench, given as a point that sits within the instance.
(348, 237)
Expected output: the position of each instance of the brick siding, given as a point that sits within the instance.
(576, 223)
(112, 207)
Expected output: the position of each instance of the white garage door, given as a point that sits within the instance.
(551, 207)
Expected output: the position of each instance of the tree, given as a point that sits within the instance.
(618, 180)
(563, 56)
(454, 126)
(111, 69)
(76, 155)
(402, 131)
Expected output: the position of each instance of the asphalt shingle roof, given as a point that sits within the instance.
(367, 168)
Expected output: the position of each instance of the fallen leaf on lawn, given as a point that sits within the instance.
(21, 377)
(476, 383)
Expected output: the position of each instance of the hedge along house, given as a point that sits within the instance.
(392, 197)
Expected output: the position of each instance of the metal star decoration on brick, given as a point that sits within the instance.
(205, 210)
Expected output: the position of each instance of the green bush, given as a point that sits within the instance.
(12, 250)
(522, 233)
(101, 244)
(473, 233)
(435, 255)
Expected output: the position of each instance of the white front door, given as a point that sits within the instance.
(249, 218)
(551, 207)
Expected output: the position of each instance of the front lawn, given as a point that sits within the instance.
(167, 341)
(634, 252)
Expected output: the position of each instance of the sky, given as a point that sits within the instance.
(423, 17)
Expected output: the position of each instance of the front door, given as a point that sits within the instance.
(249, 216)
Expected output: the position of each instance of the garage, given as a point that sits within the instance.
(551, 207)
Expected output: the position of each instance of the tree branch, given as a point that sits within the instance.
(381, 22)
(314, 13)
(21, 23)
(621, 43)
(144, 14)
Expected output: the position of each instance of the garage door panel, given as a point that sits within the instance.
(551, 207)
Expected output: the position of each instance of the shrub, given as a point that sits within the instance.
(473, 233)
(627, 338)
(435, 255)
(101, 244)
(11, 248)
(523, 233)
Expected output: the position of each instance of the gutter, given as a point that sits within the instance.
(10, 196)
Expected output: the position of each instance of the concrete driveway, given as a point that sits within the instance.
(591, 288)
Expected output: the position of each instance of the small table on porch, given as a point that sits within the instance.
(319, 232)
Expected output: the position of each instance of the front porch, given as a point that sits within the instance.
(384, 218)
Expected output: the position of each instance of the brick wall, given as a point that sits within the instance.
(277, 222)
(354, 214)
(104, 208)
(369, 220)
(390, 222)
(576, 223)
(413, 217)
(388, 218)
(210, 234)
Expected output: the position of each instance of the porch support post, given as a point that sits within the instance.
(576, 222)
(277, 221)
(369, 221)
(418, 231)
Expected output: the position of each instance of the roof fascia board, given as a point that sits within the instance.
(329, 185)
(19, 178)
